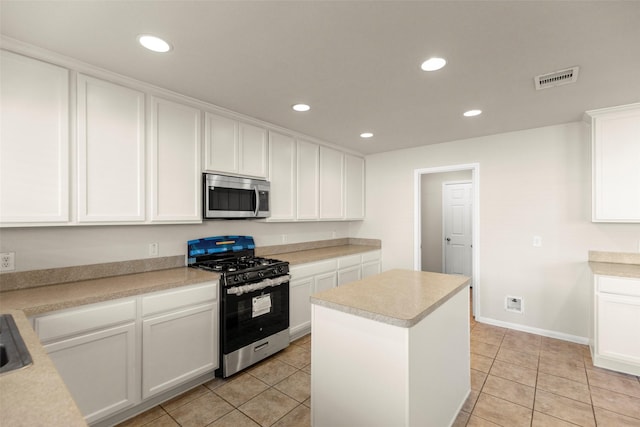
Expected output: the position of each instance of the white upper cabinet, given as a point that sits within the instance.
(176, 181)
(221, 144)
(137, 152)
(34, 153)
(615, 134)
(354, 187)
(331, 184)
(111, 149)
(234, 147)
(307, 180)
(282, 175)
(253, 150)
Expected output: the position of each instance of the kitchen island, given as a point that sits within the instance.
(391, 350)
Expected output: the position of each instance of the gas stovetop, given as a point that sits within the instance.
(233, 257)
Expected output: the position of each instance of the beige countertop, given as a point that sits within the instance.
(615, 269)
(312, 255)
(43, 299)
(621, 264)
(35, 395)
(397, 297)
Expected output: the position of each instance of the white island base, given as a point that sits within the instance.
(368, 373)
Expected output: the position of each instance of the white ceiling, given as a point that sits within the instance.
(357, 62)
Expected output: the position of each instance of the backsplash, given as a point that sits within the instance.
(35, 278)
(51, 276)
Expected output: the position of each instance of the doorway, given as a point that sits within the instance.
(429, 239)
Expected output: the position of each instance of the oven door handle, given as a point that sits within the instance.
(243, 289)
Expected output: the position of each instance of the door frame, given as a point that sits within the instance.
(475, 218)
(444, 220)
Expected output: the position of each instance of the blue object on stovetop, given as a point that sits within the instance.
(218, 246)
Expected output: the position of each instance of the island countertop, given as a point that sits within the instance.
(396, 297)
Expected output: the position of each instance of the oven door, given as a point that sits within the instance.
(253, 315)
(235, 197)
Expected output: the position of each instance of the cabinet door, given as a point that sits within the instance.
(299, 305)
(348, 275)
(307, 180)
(615, 337)
(253, 151)
(221, 144)
(354, 187)
(178, 346)
(111, 152)
(99, 369)
(34, 130)
(331, 184)
(176, 181)
(325, 281)
(371, 269)
(616, 156)
(282, 175)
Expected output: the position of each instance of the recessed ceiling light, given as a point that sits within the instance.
(472, 113)
(366, 135)
(433, 64)
(301, 107)
(154, 43)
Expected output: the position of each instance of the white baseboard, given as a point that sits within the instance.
(544, 332)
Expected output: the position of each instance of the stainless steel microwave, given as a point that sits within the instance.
(232, 197)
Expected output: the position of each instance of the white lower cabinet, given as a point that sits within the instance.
(181, 344)
(349, 269)
(371, 263)
(615, 342)
(113, 356)
(310, 278)
(300, 290)
(94, 350)
(307, 279)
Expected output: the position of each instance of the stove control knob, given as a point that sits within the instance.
(261, 273)
(246, 276)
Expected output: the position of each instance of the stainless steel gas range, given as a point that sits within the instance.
(254, 308)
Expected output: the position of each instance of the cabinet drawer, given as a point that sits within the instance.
(312, 269)
(180, 297)
(90, 317)
(618, 285)
(349, 261)
(371, 256)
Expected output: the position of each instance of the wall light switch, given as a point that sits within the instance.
(537, 241)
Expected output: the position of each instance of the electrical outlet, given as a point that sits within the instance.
(537, 241)
(153, 249)
(7, 261)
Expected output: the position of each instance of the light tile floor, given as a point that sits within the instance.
(517, 379)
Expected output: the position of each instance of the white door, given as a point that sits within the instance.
(457, 202)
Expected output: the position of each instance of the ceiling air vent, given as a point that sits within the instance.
(557, 78)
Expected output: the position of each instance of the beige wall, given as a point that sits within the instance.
(52, 247)
(532, 182)
(431, 216)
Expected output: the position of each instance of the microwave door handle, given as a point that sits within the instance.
(257, 201)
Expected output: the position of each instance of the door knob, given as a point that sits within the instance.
(448, 239)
